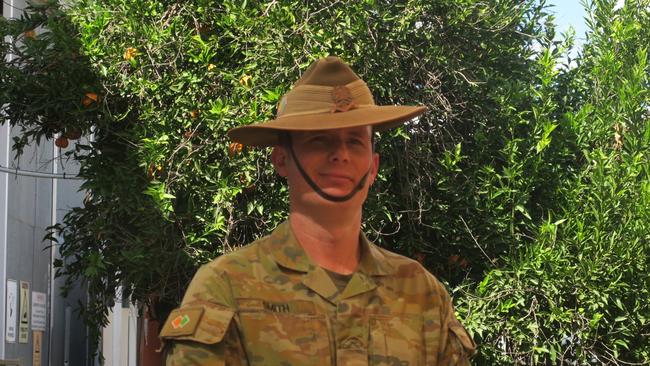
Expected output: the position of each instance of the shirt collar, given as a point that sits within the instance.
(287, 252)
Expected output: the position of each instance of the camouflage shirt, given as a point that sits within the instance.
(269, 304)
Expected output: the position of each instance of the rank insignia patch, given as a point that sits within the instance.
(180, 321)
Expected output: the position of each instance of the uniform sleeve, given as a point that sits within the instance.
(448, 343)
(212, 341)
(202, 330)
(457, 345)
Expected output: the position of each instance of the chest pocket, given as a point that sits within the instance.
(289, 333)
(395, 341)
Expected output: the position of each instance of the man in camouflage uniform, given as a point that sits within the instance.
(316, 291)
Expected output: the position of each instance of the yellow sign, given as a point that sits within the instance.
(23, 313)
(38, 347)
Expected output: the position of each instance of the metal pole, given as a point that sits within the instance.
(30, 173)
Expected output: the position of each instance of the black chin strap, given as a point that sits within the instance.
(329, 197)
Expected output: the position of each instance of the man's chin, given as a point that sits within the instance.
(338, 193)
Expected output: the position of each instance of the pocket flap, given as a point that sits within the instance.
(461, 334)
(203, 323)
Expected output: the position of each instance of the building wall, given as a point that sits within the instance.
(68, 344)
(31, 205)
(27, 206)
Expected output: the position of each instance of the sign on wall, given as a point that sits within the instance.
(11, 311)
(23, 327)
(37, 348)
(39, 304)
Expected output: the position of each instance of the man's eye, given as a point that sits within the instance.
(318, 139)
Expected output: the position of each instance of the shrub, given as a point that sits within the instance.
(578, 294)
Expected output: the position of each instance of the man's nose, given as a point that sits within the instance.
(339, 151)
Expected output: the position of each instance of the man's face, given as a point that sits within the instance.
(336, 160)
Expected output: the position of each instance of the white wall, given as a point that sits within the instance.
(119, 338)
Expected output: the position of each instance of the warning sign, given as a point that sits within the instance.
(23, 312)
(39, 306)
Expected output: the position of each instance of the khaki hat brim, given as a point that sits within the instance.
(379, 117)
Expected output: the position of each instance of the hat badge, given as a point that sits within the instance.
(342, 99)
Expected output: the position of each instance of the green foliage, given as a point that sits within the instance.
(579, 292)
(525, 187)
(45, 61)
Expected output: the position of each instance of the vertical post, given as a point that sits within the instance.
(51, 286)
(66, 341)
(133, 334)
(116, 331)
(4, 160)
(5, 132)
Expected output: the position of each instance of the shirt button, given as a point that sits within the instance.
(343, 307)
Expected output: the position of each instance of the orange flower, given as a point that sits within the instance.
(89, 98)
(130, 53)
(194, 114)
(234, 148)
(31, 34)
(61, 142)
(211, 67)
(153, 169)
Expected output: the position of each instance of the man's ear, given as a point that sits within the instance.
(375, 168)
(279, 158)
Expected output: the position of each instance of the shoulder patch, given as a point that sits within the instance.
(199, 322)
(182, 322)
